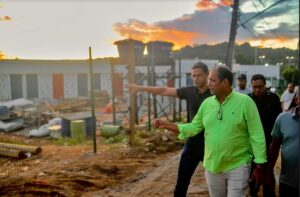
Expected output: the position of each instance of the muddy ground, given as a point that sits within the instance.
(149, 169)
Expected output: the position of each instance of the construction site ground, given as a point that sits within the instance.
(115, 170)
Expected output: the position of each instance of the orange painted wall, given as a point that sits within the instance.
(58, 86)
(118, 84)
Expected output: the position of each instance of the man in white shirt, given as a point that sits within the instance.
(287, 97)
(242, 81)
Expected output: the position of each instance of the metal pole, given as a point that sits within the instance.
(255, 55)
(92, 99)
(180, 107)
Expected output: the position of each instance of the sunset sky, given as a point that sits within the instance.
(64, 29)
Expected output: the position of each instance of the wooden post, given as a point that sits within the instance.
(112, 68)
(173, 77)
(153, 79)
(92, 99)
(132, 96)
(149, 96)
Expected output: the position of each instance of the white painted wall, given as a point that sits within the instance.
(5, 87)
(70, 86)
(45, 84)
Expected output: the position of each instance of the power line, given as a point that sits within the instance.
(269, 28)
(261, 12)
(267, 24)
(221, 7)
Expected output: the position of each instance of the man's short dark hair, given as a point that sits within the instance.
(201, 66)
(225, 73)
(258, 77)
(242, 77)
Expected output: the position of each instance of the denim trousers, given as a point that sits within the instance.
(191, 155)
(233, 183)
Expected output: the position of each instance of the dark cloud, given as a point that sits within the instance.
(292, 32)
(213, 25)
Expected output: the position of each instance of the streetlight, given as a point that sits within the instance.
(289, 58)
(261, 57)
(279, 63)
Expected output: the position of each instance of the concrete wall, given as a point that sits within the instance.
(45, 86)
(5, 87)
(71, 68)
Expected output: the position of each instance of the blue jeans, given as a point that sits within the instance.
(191, 155)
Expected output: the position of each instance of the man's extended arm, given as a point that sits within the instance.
(164, 91)
(165, 125)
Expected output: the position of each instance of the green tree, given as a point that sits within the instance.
(291, 74)
(241, 59)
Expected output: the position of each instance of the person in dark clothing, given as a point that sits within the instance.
(269, 107)
(193, 150)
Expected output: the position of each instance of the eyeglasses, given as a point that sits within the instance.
(257, 87)
(219, 113)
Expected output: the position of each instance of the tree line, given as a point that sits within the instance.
(244, 54)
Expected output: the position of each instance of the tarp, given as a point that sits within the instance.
(21, 102)
(11, 125)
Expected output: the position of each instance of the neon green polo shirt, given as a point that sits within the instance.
(233, 137)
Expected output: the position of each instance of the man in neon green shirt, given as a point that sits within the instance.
(233, 135)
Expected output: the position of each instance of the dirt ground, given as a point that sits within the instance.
(117, 170)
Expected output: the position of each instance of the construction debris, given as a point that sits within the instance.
(25, 148)
(21, 102)
(9, 121)
(71, 105)
(17, 150)
(12, 153)
(11, 125)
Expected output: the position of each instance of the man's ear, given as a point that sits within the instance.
(225, 82)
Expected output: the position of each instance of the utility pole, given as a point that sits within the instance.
(255, 55)
(233, 29)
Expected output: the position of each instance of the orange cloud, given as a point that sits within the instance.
(5, 56)
(5, 18)
(277, 42)
(209, 5)
(2, 55)
(148, 32)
